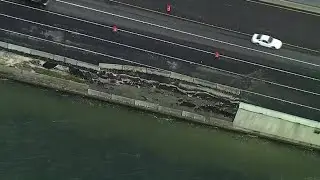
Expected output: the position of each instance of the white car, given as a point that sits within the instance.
(266, 41)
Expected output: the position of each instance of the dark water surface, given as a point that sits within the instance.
(48, 136)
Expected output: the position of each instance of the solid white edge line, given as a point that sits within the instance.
(205, 24)
(218, 27)
(163, 55)
(191, 34)
(137, 34)
(182, 18)
(125, 60)
(227, 57)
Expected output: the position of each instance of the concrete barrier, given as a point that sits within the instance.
(111, 66)
(123, 100)
(170, 111)
(205, 83)
(88, 66)
(279, 115)
(19, 48)
(41, 54)
(159, 72)
(228, 89)
(194, 116)
(71, 61)
(182, 77)
(134, 69)
(146, 105)
(59, 58)
(4, 45)
(99, 94)
(277, 125)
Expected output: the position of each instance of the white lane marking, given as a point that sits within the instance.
(70, 17)
(281, 7)
(218, 27)
(205, 24)
(191, 34)
(149, 37)
(160, 54)
(299, 47)
(78, 48)
(182, 18)
(225, 56)
(125, 60)
(282, 100)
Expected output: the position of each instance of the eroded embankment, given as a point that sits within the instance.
(177, 96)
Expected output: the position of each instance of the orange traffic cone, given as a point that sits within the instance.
(114, 28)
(168, 8)
(216, 55)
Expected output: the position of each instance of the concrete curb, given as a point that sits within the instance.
(280, 115)
(194, 117)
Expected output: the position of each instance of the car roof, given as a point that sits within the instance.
(264, 37)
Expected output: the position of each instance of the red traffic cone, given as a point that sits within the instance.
(216, 55)
(114, 28)
(168, 8)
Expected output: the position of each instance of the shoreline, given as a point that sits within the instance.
(28, 75)
(88, 83)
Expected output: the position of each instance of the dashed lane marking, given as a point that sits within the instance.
(125, 60)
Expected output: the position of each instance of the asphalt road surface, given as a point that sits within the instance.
(289, 85)
(244, 16)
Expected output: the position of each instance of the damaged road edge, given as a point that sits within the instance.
(166, 95)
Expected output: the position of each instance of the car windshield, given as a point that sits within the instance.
(270, 39)
(259, 36)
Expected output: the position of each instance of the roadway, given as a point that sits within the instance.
(295, 92)
(244, 16)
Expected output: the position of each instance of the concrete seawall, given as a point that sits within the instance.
(249, 119)
(278, 125)
(157, 108)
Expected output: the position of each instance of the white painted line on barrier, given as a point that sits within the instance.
(125, 60)
(191, 34)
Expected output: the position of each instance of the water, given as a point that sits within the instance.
(46, 135)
